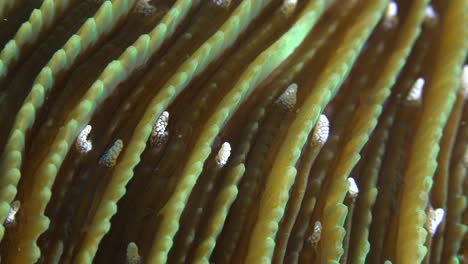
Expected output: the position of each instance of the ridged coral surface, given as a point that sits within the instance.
(233, 131)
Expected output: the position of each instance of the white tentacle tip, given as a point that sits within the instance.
(288, 6)
(416, 92)
(223, 154)
(353, 189)
(289, 97)
(222, 3)
(133, 257)
(144, 7)
(314, 239)
(431, 17)
(83, 145)
(464, 81)
(434, 218)
(160, 133)
(11, 217)
(109, 159)
(321, 130)
(391, 15)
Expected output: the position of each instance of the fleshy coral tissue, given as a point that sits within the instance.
(233, 131)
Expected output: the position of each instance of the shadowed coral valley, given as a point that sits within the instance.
(233, 131)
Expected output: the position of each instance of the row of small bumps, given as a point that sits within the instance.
(133, 159)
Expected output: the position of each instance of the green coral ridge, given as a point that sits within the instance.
(233, 131)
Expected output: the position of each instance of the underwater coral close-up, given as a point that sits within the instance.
(233, 131)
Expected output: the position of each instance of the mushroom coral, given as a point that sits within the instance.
(233, 131)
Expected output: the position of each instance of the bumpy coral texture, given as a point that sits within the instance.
(233, 131)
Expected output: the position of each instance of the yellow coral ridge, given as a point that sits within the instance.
(422, 162)
(365, 118)
(236, 173)
(100, 24)
(40, 20)
(222, 204)
(255, 73)
(283, 172)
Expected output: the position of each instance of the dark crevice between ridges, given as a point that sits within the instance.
(391, 174)
(198, 208)
(28, 49)
(179, 138)
(367, 76)
(193, 127)
(318, 171)
(232, 177)
(343, 121)
(163, 69)
(367, 170)
(22, 82)
(297, 238)
(455, 216)
(403, 132)
(448, 161)
(87, 70)
(439, 191)
(340, 113)
(96, 177)
(164, 101)
(259, 163)
(270, 89)
(372, 163)
(245, 185)
(70, 28)
(255, 130)
(224, 78)
(443, 72)
(16, 89)
(70, 94)
(207, 145)
(63, 85)
(367, 173)
(297, 192)
(15, 17)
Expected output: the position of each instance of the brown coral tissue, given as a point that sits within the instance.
(233, 131)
